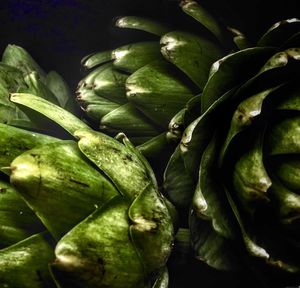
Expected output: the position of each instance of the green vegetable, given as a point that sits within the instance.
(236, 168)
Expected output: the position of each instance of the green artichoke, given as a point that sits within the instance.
(142, 89)
(83, 211)
(19, 72)
(237, 167)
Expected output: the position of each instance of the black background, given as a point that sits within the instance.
(58, 33)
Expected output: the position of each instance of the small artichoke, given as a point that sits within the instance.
(237, 167)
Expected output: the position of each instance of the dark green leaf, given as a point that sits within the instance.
(158, 92)
(122, 166)
(144, 24)
(17, 220)
(14, 141)
(224, 76)
(151, 229)
(25, 264)
(283, 137)
(192, 54)
(178, 184)
(280, 32)
(287, 204)
(250, 178)
(209, 201)
(58, 183)
(95, 59)
(129, 120)
(60, 116)
(130, 58)
(193, 9)
(18, 57)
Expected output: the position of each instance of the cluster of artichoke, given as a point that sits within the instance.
(186, 145)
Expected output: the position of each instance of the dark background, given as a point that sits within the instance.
(58, 33)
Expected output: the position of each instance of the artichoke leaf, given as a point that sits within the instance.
(151, 228)
(130, 58)
(287, 204)
(38, 88)
(250, 178)
(176, 125)
(99, 252)
(60, 116)
(123, 167)
(154, 145)
(105, 81)
(279, 32)
(244, 116)
(211, 247)
(59, 185)
(94, 105)
(291, 99)
(17, 220)
(283, 137)
(128, 119)
(59, 88)
(110, 83)
(281, 59)
(158, 92)
(25, 264)
(178, 183)
(293, 41)
(19, 58)
(162, 280)
(287, 170)
(223, 75)
(95, 59)
(195, 10)
(137, 152)
(209, 201)
(271, 256)
(143, 24)
(197, 134)
(14, 141)
(192, 54)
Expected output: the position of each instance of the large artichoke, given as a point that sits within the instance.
(142, 88)
(237, 166)
(87, 206)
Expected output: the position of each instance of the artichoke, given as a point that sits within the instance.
(82, 211)
(142, 89)
(19, 72)
(236, 169)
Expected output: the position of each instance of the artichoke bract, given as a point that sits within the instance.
(142, 88)
(237, 166)
(87, 211)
